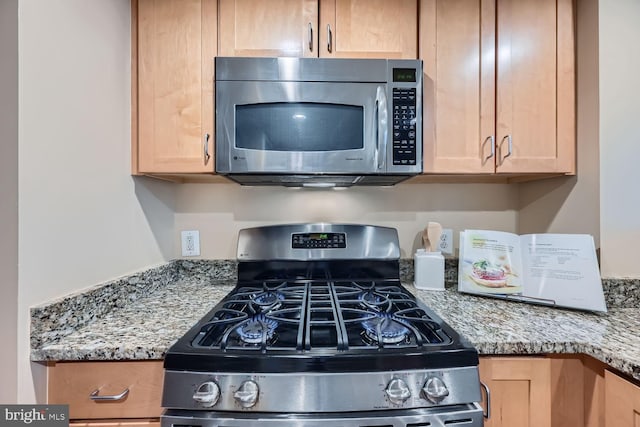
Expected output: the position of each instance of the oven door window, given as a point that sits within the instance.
(299, 126)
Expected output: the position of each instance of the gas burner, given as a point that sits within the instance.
(268, 300)
(375, 300)
(384, 328)
(253, 330)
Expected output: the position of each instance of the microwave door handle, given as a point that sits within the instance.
(381, 126)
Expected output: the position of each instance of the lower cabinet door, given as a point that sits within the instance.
(622, 402)
(520, 391)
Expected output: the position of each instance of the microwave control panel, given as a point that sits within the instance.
(404, 126)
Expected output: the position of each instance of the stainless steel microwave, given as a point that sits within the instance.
(318, 122)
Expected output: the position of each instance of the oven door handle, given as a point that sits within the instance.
(381, 126)
(487, 414)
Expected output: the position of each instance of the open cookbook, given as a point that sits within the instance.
(550, 269)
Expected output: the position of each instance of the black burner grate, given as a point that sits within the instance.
(312, 315)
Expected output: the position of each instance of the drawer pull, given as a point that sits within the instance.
(96, 398)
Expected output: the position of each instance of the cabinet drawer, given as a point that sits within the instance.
(116, 423)
(73, 383)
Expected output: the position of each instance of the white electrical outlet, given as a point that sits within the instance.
(190, 243)
(446, 241)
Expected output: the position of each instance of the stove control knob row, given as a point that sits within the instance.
(435, 390)
(397, 391)
(247, 394)
(207, 394)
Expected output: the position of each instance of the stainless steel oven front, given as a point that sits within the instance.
(318, 116)
(468, 415)
(320, 332)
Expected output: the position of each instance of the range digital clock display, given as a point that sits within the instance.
(318, 240)
(319, 236)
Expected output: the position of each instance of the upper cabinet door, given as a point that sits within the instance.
(176, 47)
(457, 46)
(319, 28)
(535, 89)
(368, 29)
(499, 86)
(268, 28)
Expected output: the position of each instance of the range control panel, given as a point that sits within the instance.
(318, 240)
(404, 126)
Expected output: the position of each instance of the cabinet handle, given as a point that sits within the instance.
(329, 38)
(96, 398)
(205, 144)
(509, 146)
(493, 146)
(310, 38)
(487, 414)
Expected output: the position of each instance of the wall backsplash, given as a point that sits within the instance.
(218, 211)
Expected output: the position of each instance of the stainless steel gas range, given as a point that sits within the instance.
(318, 332)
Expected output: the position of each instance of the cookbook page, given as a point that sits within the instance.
(563, 269)
(490, 262)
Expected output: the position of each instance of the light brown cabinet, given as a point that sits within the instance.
(116, 423)
(324, 28)
(536, 391)
(139, 383)
(268, 28)
(558, 391)
(520, 391)
(499, 75)
(175, 41)
(622, 402)
(499, 86)
(369, 29)
(172, 131)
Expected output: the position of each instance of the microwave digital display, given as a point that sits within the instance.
(404, 75)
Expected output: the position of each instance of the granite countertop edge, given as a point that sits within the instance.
(140, 316)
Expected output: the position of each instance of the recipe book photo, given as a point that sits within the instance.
(550, 269)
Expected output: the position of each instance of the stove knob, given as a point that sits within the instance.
(397, 391)
(434, 390)
(247, 394)
(207, 394)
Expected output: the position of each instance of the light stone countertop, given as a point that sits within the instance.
(144, 327)
(506, 327)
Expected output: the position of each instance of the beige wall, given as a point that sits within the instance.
(220, 210)
(83, 219)
(603, 200)
(619, 23)
(572, 204)
(8, 198)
